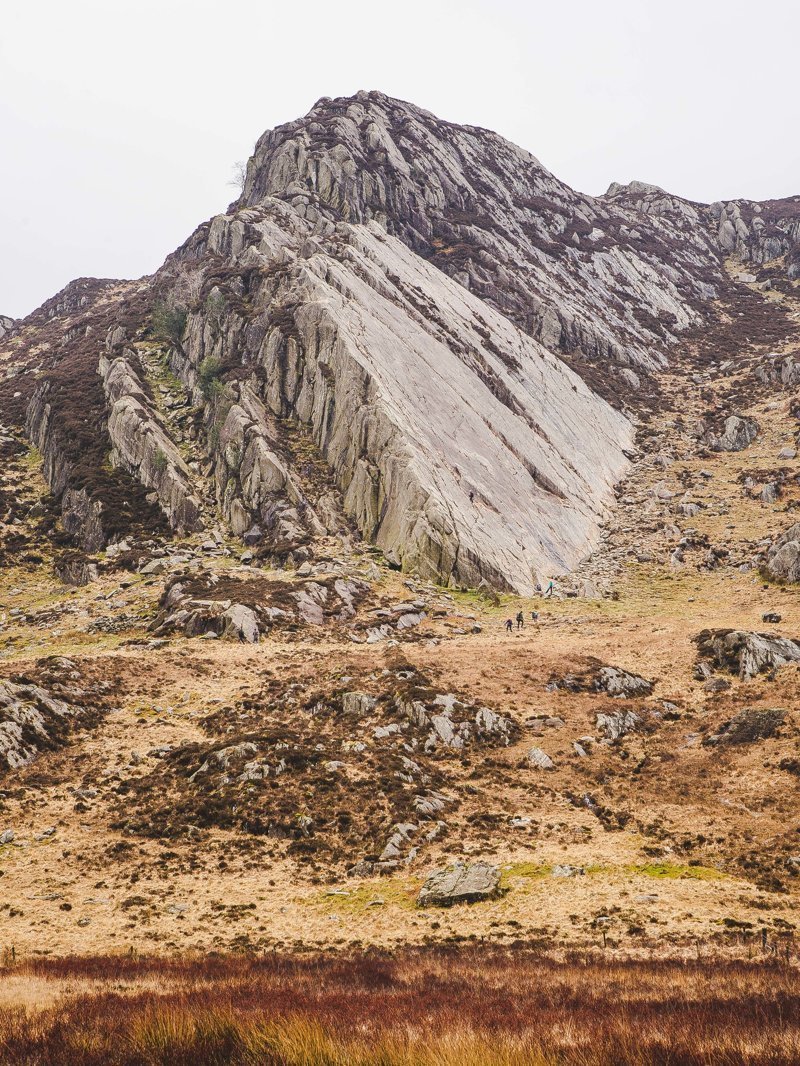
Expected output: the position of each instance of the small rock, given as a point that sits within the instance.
(540, 759)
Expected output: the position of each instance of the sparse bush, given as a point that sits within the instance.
(160, 462)
(168, 323)
(208, 374)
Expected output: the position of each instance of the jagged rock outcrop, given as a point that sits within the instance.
(562, 265)
(31, 720)
(6, 325)
(244, 608)
(748, 726)
(754, 232)
(781, 369)
(593, 676)
(744, 653)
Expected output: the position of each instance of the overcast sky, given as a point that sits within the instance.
(120, 120)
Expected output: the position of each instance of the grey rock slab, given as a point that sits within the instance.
(460, 883)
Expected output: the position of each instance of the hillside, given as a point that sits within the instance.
(264, 515)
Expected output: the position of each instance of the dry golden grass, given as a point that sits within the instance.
(474, 1007)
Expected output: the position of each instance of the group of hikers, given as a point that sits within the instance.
(547, 594)
(520, 619)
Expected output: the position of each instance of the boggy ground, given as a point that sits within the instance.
(652, 843)
(473, 1006)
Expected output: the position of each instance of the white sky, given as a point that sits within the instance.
(120, 120)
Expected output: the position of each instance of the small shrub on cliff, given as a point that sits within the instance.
(209, 375)
(168, 323)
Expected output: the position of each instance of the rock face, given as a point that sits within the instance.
(461, 883)
(371, 338)
(416, 395)
(141, 444)
(783, 557)
(560, 264)
(744, 653)
(6, 325)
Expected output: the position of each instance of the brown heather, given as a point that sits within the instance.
(476, 1006)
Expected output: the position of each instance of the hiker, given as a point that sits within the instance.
(509, 625)
(534, 616)
(472, 497)
(549, 590)
(520, 620)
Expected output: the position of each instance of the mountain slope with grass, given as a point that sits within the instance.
(266, 517)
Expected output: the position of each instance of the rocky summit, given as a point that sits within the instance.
(414, 555)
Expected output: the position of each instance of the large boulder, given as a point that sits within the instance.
(783, 557)
(460, 883)
(738, 433)
(746, 653)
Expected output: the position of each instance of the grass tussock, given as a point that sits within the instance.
(469, 1007)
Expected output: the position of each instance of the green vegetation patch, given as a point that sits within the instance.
(391, 892)
(675, 870)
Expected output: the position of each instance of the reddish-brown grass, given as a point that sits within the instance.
(468, 1006)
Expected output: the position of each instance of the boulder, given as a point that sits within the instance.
(618, 682)
(738, 433)
(358, 703)
(460, 883)
(616, 724)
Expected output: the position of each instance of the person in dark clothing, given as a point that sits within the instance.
(534, 616)
(520, 620)
(509, 625)
(472, 497)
